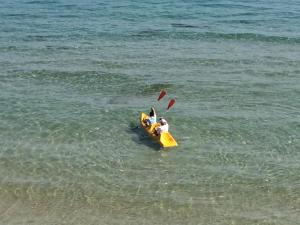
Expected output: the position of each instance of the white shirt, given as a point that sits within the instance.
(163, 128)
(152, 119)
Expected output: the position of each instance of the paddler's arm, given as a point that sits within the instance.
(152, 108)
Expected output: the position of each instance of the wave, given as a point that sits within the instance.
(177, 35)
(212, 35)
(243, 21)
(42, 37)
(46, 2)
(68, 16)
(253, 37)
(25, 16)
(181, 25)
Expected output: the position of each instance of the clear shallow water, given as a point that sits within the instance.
(74, 77)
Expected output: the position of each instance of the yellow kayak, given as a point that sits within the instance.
(165, 139)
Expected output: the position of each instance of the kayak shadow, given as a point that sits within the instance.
(142, 137)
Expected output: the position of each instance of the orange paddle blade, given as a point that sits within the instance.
(171, 102)
(161, 95)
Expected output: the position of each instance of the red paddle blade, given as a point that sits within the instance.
(161, 95)
(171, 102)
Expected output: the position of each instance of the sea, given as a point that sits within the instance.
(75, 76)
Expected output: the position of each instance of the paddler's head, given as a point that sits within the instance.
(162, 121)
(152, 112)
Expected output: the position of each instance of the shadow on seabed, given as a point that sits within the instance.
(142, 137)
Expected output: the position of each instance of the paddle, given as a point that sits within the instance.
(161, 95)
(171, 103)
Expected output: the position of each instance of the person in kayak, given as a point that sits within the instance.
(152, 117)
(163, 127)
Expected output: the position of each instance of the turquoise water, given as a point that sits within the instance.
(76, 74)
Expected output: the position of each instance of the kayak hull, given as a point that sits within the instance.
(165, 139)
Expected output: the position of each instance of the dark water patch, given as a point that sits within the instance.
(154, 88)
(69, 6)
(143, 89)
(64, 75)
(68, 16)
(118, 89)
(149, 33)
(141, 137)
(60, 47)
(244, 14)
(10, 29)
(242, 21)
(117, 99)
(170, 16)
(109, 64)
(84, 82)
(212, 62)
(9, 48)
(276, 74)
(38, 2)
(282, 61)
(247, 7)
(181, 25)
(185, 35)
(41, 38)
(252, 37)
(22, 16)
